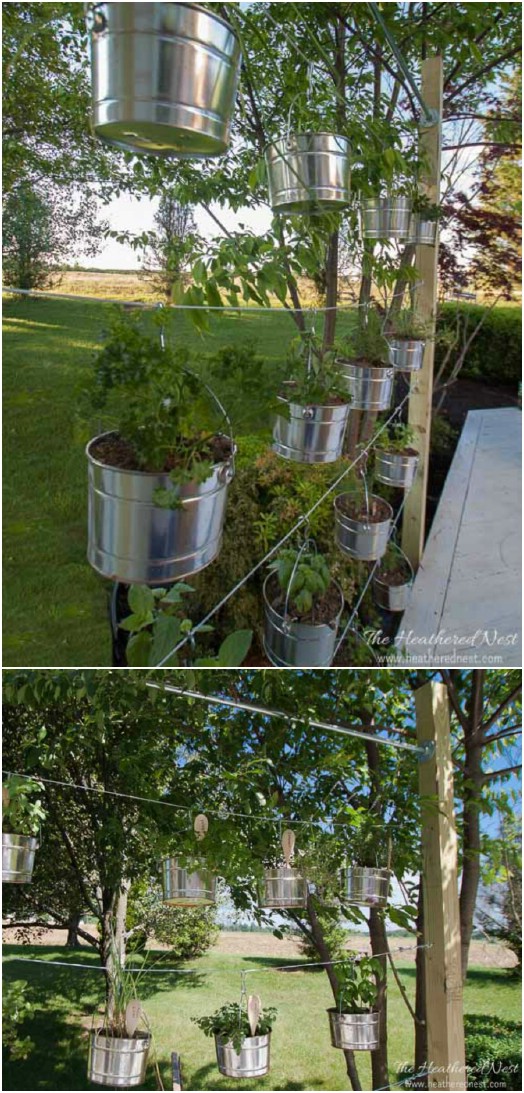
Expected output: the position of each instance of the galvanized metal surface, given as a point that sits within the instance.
(392, 597)
(252, 1061)
(395, 469)
(308, 172)
(130, 539)
(354, 1031)
(297, 644)
(370, 387)
(386, 218)
(164, 78)
(365, 885)
(284, 886)
(184, 888)
(406, 354)
(18, 858)
(423, 231)
(359, 538)
(313, 434)
(118, 1062)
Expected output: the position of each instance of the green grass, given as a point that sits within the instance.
(302, 1057)
(55, 607)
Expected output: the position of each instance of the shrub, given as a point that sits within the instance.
(16, 1010)
(493, 1052)
(495, 355)
(335, 936)
(188, 932)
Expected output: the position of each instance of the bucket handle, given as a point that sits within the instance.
(308, 543)
(229, 472)
(299, 95)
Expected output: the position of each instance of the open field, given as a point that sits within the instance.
(302, 1057)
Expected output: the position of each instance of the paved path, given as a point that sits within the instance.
(466, 603)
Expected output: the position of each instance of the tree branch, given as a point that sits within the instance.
(500, 709)
(494, 774)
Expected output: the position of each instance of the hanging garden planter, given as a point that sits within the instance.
(406, 354)
(252, 1061)
(242, 1036)
(119, 1062)
(290, 643)
(18, 858)
(423, 232)
(392, 587)
(365, 886)
(397, 469)
(183, 887)
(362, 531)
(164, 78)
(313, 434)
(387, 217)
(308, 173)
(370, 386)
(284, 887)
(354, 1031)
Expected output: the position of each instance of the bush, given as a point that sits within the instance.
(493, 1052)
(16, 1010)
(335, 937)
(495, 355)
(187, 932)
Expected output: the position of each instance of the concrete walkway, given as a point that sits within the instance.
(466, 603)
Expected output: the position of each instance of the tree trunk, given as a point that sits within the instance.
(73, 924)
(473, 781)
(331, 291)
(421, 1032)
(379, 1059)
(113, 937)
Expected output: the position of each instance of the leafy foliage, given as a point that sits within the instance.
(231, 1024)
(358, 984)
(407, 324)
(315, 377)
(305, 576)
(495, 355)
(367, 341)
(187, 932)
(21, 813)
(493, 1052)
(396, 439)
(17, 1008)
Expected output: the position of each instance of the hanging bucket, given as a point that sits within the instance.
(284, 887)
(422, 232)
(164, 78)
(370, 387)
(396, 468)
(406, 354)
(182, 888)
(313, 434)
(358, 537)
(387, 218)
(119, 1062)
(392, 597)
(290, 644)
(18, 858)
(252, 1061)
(365, 886)
(133, 540)
(354, 1031)
(308, 172)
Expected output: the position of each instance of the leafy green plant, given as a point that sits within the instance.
(230, 1022)
(393, 562)
(426, 209)
(315, 378)
(16, 1010)
(186, 932)
(305, 577)
(124, 989)
(407, 324)
(397, 439)
(357, 991)
(367, 341)
(21, 813)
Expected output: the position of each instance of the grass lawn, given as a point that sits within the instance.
(55, 607)
(302, 1057)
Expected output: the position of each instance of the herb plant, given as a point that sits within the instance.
(425, 208)
(124, 989)
(398, 439)
(358, 990)
(311, 578)
(315, 379)
(22, 812)
(230, 1022)
(393, 562)
(367, 342)
(406, 324)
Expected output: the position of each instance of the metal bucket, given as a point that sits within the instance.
(392, 597)
(395, 469)
(354, 1031)
(365, 886)
(298, 644)
(284, 887)
(18, 858)
(308, 172)
(182, 888)
(313, 434)
(252, 1061)
(358, 539)
(423, 231)
(164, 78)
(370, 387)
(130, 539)
(406, 354)
(117, 1061)
(387, 218)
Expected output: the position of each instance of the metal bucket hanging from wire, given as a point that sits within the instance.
(187, 887)
(252, 1061)
(354, 1031)
(18, 858)
(360, 537)
(387, 217)
(396, 469)
(312, 434)
(284, 887)
(308, 173)
(164, 78)
(365, 886)
(406, 354)
(119, 1062)
(370, 386)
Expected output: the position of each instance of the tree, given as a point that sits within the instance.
(172, 244)
(500, 912)
(188, 932)
(43, 228)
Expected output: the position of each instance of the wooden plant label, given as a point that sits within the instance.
(5, 796)
(254, 1009)
(201, 826)
(288, 845)
(133, 1015)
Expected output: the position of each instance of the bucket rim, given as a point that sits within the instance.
(146, 474)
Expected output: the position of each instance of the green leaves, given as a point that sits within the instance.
(303, 576)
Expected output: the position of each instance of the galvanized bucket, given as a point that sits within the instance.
(395, 469)
(164, 78)
(133, 540)
(370, 387)
(313, 434)
(365, 885)
(182, 888)
(290, 644)
(252, 1061)
(284, 887)
(406, 354)
(308, 172)
(354, 1031)
(392, 597)
(358, 538)
(387, 218)
(18, 858)
(423, 232)
(118, 1061)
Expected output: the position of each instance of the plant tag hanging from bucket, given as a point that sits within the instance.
(133, 1015)
(201, 826)
(288, 845)
(254, 1009)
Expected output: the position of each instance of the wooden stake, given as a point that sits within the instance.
(420, 403)
(445, 1024)
(176, 1071)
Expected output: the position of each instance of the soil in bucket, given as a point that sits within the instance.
(115, 451)
(377, 513)
(399, 451)
(324, 610)
(398, 574)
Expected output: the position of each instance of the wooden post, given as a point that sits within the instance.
(445, 1023)
(176, 1071)
(413, 527)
